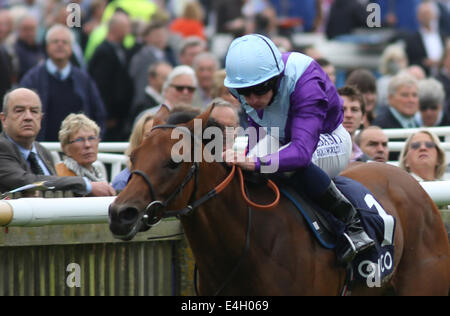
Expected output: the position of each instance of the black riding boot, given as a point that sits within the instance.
(357, 239)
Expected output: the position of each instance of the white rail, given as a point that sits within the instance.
(405, 132)
(39, 212)
(33, 212)
(112, 152)
(117, 162)
(439, 191)
(120, 147)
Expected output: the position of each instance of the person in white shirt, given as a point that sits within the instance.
(426, 47)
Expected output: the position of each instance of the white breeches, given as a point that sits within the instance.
(333, 151)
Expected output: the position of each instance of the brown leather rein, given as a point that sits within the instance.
(155, 210)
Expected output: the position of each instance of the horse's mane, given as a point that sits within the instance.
(183, 117)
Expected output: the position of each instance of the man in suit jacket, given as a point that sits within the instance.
(21, 119)
(403, 99)
(426, 46)
(109, 69)
(444, 16)
(5, 71)
(155, 37)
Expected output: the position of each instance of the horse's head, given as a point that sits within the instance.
(163, 172)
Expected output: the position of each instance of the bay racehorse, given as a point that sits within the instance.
(242, 250)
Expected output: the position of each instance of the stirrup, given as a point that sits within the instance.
(360, 240)
(347, 252)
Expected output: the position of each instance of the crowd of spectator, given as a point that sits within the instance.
(126, 58)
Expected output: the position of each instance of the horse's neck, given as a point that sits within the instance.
(216, 231)
(217, 234)
(221, 211)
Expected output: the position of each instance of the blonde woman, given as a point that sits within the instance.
(79, 138)
(143, 126)
(423, 157)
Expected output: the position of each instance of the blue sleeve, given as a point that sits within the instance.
(121, 180)
(88, 185)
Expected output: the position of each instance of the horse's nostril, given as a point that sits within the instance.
(128, 215)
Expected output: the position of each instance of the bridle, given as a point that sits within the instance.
(155, 211)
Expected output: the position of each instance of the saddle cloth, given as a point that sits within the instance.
(373, 266)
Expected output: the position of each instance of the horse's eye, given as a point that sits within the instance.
(172, 164)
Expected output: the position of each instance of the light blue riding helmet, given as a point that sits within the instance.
(251, 60)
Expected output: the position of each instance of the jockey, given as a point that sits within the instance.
(291, 92)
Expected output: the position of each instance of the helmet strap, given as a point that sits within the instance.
(275, 91)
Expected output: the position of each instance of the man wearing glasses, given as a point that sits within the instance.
(177, 90)
(291, 94)
(23, 160)
(431, 104)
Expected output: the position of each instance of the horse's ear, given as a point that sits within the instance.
(161, 116)
(203, 116)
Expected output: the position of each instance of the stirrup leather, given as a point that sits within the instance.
(347, 253)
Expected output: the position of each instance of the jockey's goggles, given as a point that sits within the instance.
(259, 89)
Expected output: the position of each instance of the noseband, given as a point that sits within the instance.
(155, 210)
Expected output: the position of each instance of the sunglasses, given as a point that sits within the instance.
(260, 89)
(417, 145)
(182, 88)
(433, 107)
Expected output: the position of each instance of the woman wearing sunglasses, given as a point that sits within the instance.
(423, 157)
(291, 94)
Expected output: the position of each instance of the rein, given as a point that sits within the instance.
(155, 210)
(151, 213)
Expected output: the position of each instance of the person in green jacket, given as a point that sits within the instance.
(136, 9)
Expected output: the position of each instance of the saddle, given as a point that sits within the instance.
(374, 266)
(324, 227)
